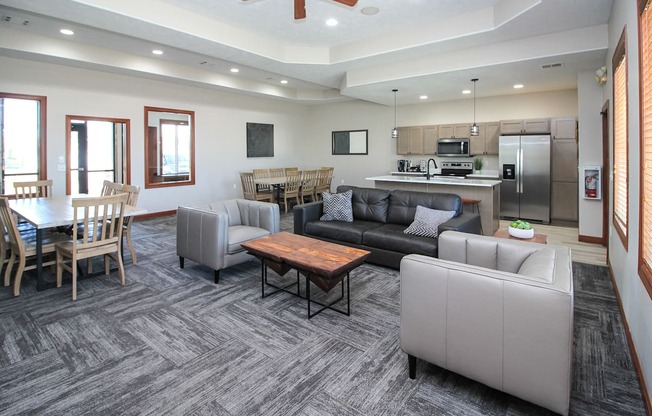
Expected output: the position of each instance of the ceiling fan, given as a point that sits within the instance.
(300, 7)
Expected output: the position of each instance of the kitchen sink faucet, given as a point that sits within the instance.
(428, 168)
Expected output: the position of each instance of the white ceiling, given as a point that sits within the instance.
(431, 47)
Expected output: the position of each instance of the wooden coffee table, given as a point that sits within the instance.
(322, 263)
(538, 238)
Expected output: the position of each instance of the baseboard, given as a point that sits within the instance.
(632, 347)
(591, 239)
(158, 214)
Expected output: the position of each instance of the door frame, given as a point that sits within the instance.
(126, 146)
(606, 163)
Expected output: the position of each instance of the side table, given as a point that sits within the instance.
(538, 238)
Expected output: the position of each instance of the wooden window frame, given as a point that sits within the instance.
(645, 95)
(620, 224)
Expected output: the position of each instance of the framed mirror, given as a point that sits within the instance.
(350, 142)
(169, 147)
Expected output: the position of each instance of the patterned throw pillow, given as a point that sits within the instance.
(426, 221)
(337, 207)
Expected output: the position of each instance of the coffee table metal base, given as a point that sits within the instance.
(265, 282)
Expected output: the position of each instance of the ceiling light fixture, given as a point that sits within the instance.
(518, 86)
(157, 52)
(474, 128)
(423, 97)
(284, 81)
(235, 70)
(395, 129)
(67, 32)
(331, 22)
(369, 11)
(466, 92)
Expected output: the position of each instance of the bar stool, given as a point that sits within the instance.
(475, 204)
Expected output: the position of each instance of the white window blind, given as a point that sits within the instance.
(620, 142)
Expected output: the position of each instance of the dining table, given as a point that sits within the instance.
(276, 182)
(51, 212)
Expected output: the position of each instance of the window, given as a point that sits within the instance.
(621, 165)
(22, 139)
(645, 230)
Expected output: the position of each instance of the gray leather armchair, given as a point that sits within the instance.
(211, 234)
(497, 311)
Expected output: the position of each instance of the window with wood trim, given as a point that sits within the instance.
(621, 163)
(645, 201)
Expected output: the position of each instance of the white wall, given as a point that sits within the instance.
(590, 149)
(624, 262)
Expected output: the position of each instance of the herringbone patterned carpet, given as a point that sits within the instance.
(172, 342)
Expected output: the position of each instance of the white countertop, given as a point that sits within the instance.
(436, 180)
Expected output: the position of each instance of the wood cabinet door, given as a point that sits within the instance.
(564, 160)
(446, 131)
(416, 140)
(564, 204)
(564, 128)
(462, 130)
(430, 137)
(539, 125)
(511, 126)
(478, 143)
(492, 133)
(403, 142)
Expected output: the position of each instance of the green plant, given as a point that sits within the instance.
(477, 163)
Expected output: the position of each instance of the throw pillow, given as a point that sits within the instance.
(426, 221)
(337, 207)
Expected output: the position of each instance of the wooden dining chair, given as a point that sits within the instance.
(250, 190)
(102, 219)
(110, 188)
(33, 189)
(325, 177)
(277, 172)
(308, 185)
(293, 168)
(132, 192)
(259, 174)
(291, 188)
(22, 247)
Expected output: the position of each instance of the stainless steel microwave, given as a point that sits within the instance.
(453, 147)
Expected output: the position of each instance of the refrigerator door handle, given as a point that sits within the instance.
(520, 166)
(518, 171)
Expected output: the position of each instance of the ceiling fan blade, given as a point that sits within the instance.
(347, 2)
(300, 9)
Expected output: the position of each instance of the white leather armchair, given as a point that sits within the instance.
(497, 311)
(211, 234)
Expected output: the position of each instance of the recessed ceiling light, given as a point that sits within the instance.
(369, 11)
(157, 52)
(67, 32)
(235, 70)
(331, 22)
(466, 92)
(423, 97)
(284, 81)
(517, 86)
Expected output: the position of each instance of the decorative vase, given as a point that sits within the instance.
(519, 233)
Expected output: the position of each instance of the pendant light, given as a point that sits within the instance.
(395, 129)
(474, 128)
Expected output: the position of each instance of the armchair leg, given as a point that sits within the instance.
(181, 262)
(412, 365)
(217, 276)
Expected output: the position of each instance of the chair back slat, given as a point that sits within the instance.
(33, 189)
(9, 224)
(102, 218)
(110, 188)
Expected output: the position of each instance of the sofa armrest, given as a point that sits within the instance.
(260, 214)
(202, 236)
(467, 222)
(311, 211)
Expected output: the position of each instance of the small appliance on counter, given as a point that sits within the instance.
(422, 165)
(403, 165)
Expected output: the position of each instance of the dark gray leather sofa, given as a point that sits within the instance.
(379, 219)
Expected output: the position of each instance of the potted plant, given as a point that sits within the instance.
(477, 164)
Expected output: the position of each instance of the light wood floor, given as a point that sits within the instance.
(567, 236)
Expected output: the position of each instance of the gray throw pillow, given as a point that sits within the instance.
(337, 207)
(426, 221)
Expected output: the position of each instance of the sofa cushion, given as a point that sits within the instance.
(337, 207)
(347, 232)
(242, 233)
(540, 264)
(403, 204)
(426, 221)
(369, 204)
(391, 237)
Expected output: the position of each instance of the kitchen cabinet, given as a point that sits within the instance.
(563, 128)
(459, 130)
(528, 126)
(564, 161)
(410, 140)
(430, 137)
(486, 142)
(564, 203)
(564, 175)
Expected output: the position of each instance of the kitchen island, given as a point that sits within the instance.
(486, 190)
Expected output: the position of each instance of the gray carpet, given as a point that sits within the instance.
(172, 342)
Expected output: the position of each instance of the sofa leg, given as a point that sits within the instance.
(412, 365)
(180, 262)
(217, 276)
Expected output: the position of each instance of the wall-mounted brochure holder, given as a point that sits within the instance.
(592, 182)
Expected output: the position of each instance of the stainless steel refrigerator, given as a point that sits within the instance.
(524, 168)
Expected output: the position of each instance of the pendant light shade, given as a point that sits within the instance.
(395, 129)
(474, 128)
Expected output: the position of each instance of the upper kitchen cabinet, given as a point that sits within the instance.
(529, 126)
(459, 130)
(410, 140)
(564, 128)
(430, 137)
(486, 142)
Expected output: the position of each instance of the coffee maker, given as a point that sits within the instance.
(403, 165)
